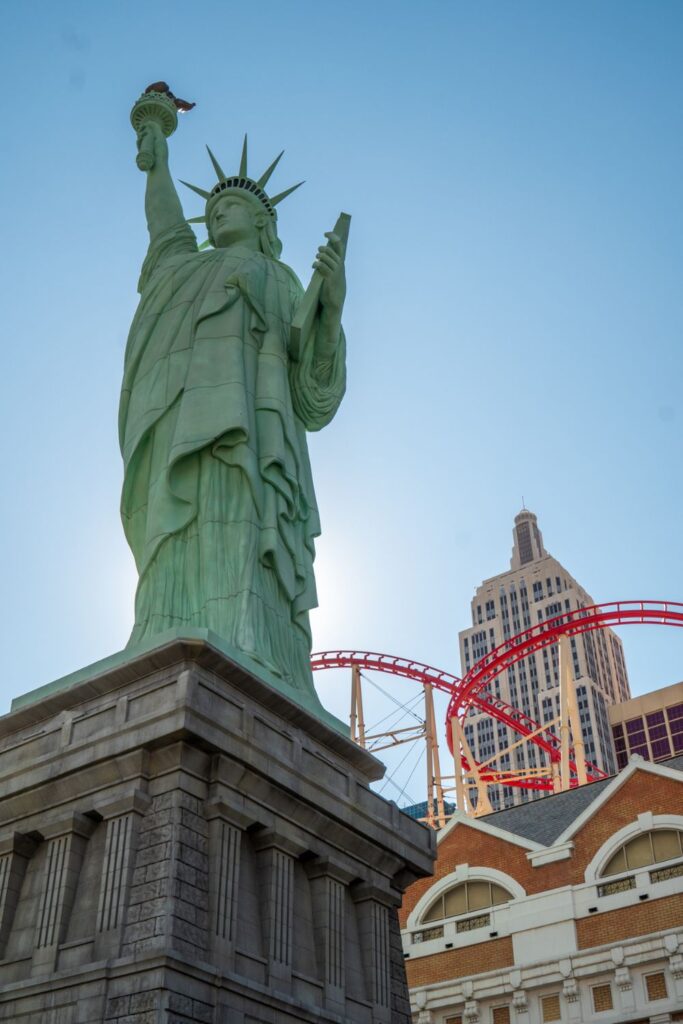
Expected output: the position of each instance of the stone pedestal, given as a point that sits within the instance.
(180, 843)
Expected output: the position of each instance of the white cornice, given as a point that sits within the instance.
(460, 818)
(558, 851)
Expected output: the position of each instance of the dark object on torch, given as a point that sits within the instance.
(163, 87)
(157, 104)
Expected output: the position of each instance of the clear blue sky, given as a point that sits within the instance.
(514, 317)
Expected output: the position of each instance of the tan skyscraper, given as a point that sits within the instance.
(537, 588)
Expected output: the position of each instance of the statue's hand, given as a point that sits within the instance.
(329, 263)
(152, 146)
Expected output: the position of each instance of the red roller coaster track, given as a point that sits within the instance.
(471, 690)
(447, 683)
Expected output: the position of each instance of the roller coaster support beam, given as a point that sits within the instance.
(357, 717)
(483, 802)
(570, 720)
(436, 818)
(557, 785)
(457, 766)
(518, 743)
(566, 666)
(566, 684)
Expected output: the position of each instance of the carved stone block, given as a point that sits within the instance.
(179, 841)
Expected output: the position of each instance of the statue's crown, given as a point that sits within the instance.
(242, 181)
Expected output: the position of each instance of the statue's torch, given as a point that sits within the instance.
(157, 103)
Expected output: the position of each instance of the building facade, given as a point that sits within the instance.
(568, 909)
(651, 725)
(536, 588)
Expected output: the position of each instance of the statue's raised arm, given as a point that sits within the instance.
(162, 204)
(154, 118)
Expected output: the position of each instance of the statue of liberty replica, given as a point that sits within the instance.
(228, 364)
(186, 832)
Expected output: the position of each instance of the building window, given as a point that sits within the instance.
(664, 874)
(550, 1007)
(428, 933)
(636, 738)
(468, 924)
(656, 987)
(602, 998)
(500, 1015)
(621, 885)
(674, 715)
(649, 848)
(465, 899)
(453, 1020)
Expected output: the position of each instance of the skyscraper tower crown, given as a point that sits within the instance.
(527, 540)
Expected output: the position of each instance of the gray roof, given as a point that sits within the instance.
(542, 821)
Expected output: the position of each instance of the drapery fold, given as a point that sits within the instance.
(209, 388)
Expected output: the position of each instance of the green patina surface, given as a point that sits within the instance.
(228, 364)
(307, 699)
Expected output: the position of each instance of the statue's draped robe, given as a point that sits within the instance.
(218, 502)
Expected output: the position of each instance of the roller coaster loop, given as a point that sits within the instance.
(471, 692)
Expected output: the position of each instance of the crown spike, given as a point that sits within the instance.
(283, 195)
(243, 161)
(196, 220)
(220, 173)
(200, 191)
(263, 180)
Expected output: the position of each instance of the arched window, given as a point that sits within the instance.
(647, 848)
(465, 899)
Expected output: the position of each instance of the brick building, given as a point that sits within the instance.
(566, 909)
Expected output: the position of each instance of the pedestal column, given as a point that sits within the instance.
(15, 852)
(66, 845)
(226, 827)
(122, 822)
(328, 882)
(277, 853)
(373, 906)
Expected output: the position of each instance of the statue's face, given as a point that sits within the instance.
(233, 220)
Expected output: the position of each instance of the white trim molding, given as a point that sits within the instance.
(646, 822)
(559, 851)
(572, 978)
(462, 873)
(479, 825)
